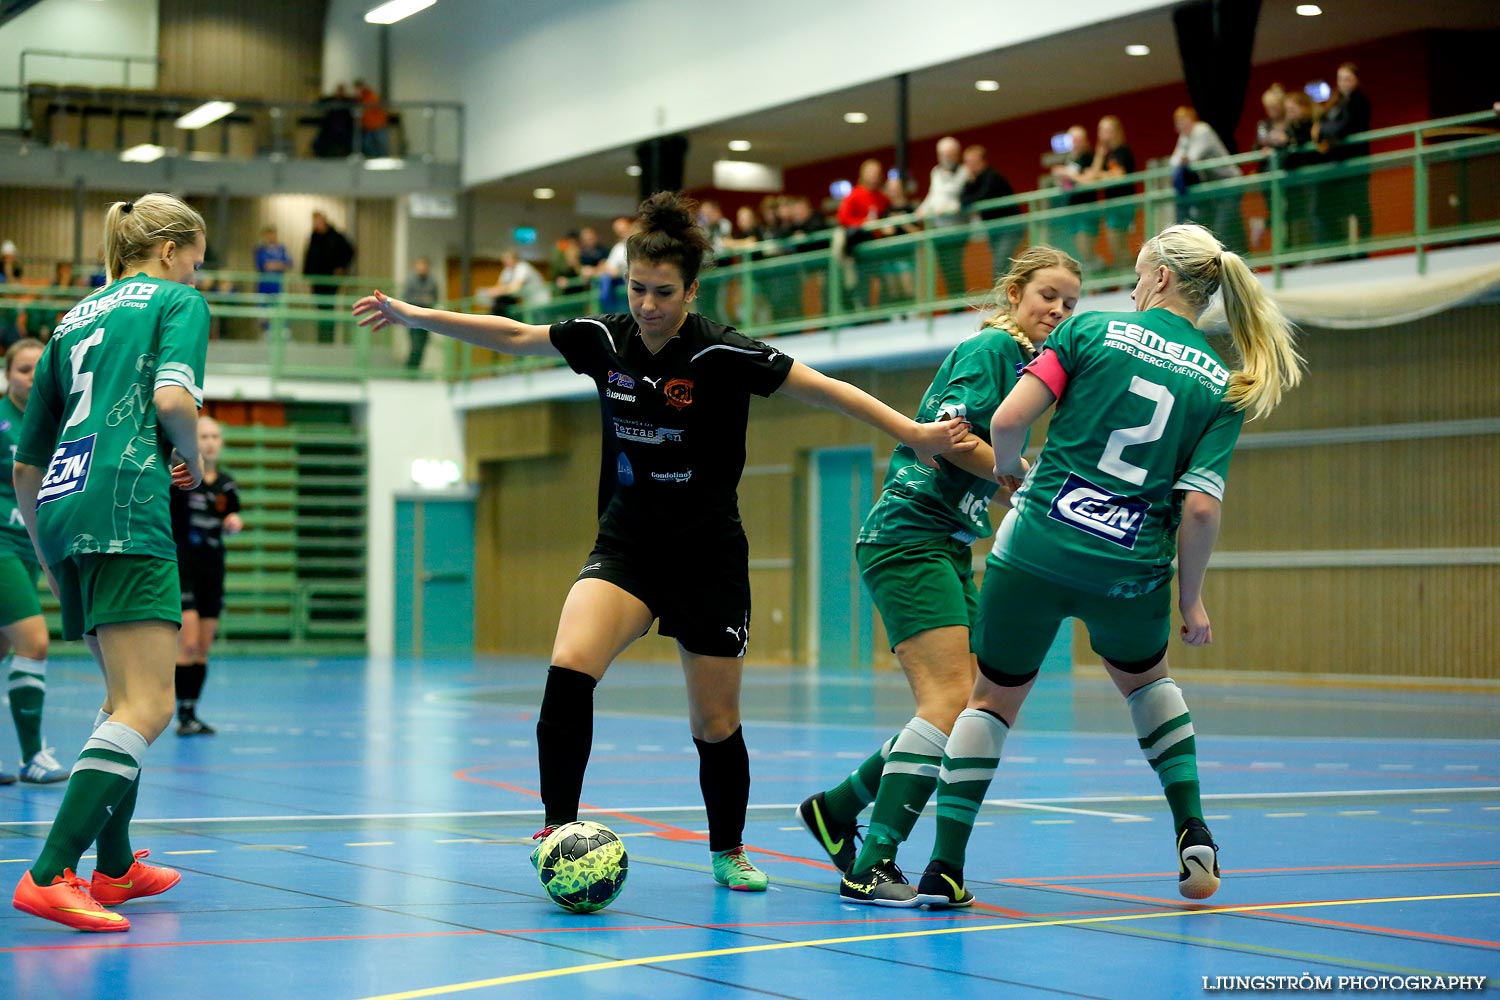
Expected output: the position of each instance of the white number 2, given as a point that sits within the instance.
(83, 382)
(1111, 462)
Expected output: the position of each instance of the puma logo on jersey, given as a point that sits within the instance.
(1099, 512)
(654, 383)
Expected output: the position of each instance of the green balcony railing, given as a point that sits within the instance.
(1428, 185)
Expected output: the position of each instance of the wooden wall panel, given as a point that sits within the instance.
(242, 48)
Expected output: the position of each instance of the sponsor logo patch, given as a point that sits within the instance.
(622, 380)
(624, 474)
(679, 392)
(68, 472)
(1099, 512)
(673, 477)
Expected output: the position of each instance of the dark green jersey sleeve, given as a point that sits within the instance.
(1209, 466)
(183, 349)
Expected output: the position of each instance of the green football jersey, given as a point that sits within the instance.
(91, 420)
(917, 501)
(1141, 418)
(13, 537)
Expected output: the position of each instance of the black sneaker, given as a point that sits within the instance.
(882, 885)
(194, 726)
(942, 887)
(838, 840)
(1197, 861)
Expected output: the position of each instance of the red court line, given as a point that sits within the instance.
(1444, 938)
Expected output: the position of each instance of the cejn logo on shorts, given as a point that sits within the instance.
(68, 472)
(1099, 512)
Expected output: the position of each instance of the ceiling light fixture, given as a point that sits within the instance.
(1309, 9)
(634, 170)
(856, 117)
(739, 145)
(543, 194)
(1137, 50)
(385, 163)
(395, 10)
(205, 114)
(146, 152)
(988, 86)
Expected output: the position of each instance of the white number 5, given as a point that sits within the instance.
(83, 382)
(1111, 462)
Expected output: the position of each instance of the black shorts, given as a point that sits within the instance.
(202, 581)
(701, 599)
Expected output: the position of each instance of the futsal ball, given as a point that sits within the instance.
(583, 866)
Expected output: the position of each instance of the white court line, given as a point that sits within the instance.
(1040, 803)
(1022, 804)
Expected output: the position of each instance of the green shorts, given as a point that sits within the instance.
(18, 595)
(1020, 613)
(99, 590)
(920, 585)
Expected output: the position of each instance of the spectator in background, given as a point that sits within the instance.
(612, 271)
(1197, 142)
(10, 263)
(39, 320)
(566, 266)
(421, 290)
(1080, 228)
(1345, 199)
(520, 285)
(718, 229)
(374, 134)
(898, 281)
(328, 254)
(271, 263)
(1303, 225)
(1270, 138)
(1113, 158)
(335, 136)
(985, 183)
(591, 253)
(865, 203)
(943, 207)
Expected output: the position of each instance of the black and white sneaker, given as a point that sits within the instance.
(882, 885)
(838, 840)
(194, 726)
(942, 887)
(1197, 861)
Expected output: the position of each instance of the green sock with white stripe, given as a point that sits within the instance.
(113, 855)
(1164, 730)
(106, 769)
(28, 689)
(910, 775)
(969, 764)
(846, 800)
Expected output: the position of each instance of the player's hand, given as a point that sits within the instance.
(1196, 629)
(378, 310)
(233, 525)
(945, 437)
(186, 475)
(1011, 474)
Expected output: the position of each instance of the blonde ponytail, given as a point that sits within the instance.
(1268, 360)
(1004, 321)
(133, 228)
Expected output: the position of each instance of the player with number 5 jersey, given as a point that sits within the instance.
(115, 391)
(1132, 475)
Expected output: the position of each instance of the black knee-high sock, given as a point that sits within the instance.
(724, 776)
(564, 736)
(190, 677)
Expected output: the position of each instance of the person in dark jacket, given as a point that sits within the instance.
(986, 184)
(328, 253)
(1347, 196)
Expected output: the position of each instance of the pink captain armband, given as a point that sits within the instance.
(1050, 370)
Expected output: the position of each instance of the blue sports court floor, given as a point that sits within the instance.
(359, 831)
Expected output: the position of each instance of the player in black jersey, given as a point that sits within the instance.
(201, 517)
(674, 389)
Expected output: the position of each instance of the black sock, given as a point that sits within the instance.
(564, 736)
(190, 677)
(724, 776)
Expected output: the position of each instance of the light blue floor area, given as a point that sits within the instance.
(361, 829)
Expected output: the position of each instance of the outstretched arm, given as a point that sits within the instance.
(493, 333)
(947, 437)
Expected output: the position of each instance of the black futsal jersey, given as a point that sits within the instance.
(198, 517)
(675, 419)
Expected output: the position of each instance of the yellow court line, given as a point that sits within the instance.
(625, 963)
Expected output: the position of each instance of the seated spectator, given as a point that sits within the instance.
(611, 273)
(865, 203)
(1197, 142)
(520, 285)
(985, 184)
(1345, 200)
(565, 264)
(1113, 158)
(1079, 228)
(591, 253)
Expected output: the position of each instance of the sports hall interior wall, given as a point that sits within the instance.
(1286, 505)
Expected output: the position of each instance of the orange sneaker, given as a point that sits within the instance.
(140, 880)
(67, 902)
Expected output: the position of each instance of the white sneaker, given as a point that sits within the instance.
(43, 769)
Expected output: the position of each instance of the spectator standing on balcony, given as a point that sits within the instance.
(328, 254)
(865, 203)
(612, 272)
(1113, 158)
(1270, 138)
(271, 262)
(674, 390)
(201, 517)
(985, 183)
(335, 136)
(10, 263)
(1304, 227)
(1197, 142)
(374, 121)
(1345, 200)
(421, 290)
(1081, 228)
(942, 207)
